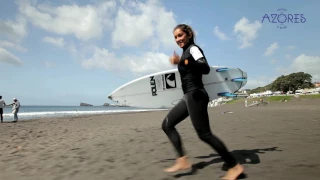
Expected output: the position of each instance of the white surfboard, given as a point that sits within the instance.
(163, 89)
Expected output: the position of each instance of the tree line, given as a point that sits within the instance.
(285, 83)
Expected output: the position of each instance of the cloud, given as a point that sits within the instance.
(291, 47)
(303, 63)
(148, 62)
(270, 50)
(220, 34)
(288, 56)
(103, 58)
(129, 23)
(273, 61)
(307, 64)
(246, 32)
(260, 81)
(14, 30)
(148, 23)
(59, 42)
(7, 57)
(138, 64)
(131, 30)
(49, 64)
(145, 28)
(84, 22)
(7, 44)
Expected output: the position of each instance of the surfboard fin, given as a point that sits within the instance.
(221, 69)
(227, 94)
(241, 79)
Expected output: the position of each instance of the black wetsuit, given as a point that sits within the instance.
(194, 103)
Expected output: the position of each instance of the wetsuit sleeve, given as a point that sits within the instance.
(200, 64)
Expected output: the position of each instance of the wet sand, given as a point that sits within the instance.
(277, 141)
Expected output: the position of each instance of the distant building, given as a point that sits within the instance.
(243, 91)
(316, 84)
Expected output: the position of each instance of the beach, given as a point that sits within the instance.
(278, 141)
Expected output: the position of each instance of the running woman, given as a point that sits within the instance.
(192, 65)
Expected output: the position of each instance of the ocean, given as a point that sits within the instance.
(27, 112)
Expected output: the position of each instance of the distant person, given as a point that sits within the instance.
(192, 65)
(15, 106)
(2, 105)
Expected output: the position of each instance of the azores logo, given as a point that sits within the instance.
(282, 18)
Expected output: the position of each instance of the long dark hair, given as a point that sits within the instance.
(188, 30)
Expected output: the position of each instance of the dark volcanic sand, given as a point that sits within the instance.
(279, 141)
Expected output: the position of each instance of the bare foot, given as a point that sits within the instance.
(233, 173)
(181, 164)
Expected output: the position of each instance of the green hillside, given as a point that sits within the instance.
(291, 82)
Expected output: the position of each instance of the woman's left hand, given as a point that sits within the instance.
(175, 59)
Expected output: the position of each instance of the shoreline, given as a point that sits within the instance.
(66, 114)
(83, 116)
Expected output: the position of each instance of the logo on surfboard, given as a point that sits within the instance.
(170, 80)
(153, 86)
(165, 81)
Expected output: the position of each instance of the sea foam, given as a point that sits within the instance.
(31, 115)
